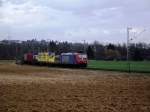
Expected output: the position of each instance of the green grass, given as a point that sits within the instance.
(135, 66)
(6, 61)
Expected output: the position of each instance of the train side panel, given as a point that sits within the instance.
(67, 58)
(45, 57)
(28, 58)
(76, 59)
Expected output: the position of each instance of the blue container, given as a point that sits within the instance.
(67, 58)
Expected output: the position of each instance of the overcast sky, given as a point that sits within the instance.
(74, 20)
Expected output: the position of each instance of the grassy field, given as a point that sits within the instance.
(139, 66)
(7, 61)
(135, 66)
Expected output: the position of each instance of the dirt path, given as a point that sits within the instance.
(35, 89)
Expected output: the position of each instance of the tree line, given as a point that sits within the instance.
(10, 49)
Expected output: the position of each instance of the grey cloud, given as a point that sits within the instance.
(1, 3)
(76, 20)
(15, 1)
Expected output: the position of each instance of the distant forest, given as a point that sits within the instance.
(10, 49)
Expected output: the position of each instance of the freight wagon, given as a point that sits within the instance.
(50, 59)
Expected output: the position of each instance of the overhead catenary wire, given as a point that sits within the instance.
(128, 44)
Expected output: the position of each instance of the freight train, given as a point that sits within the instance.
(50, 59)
